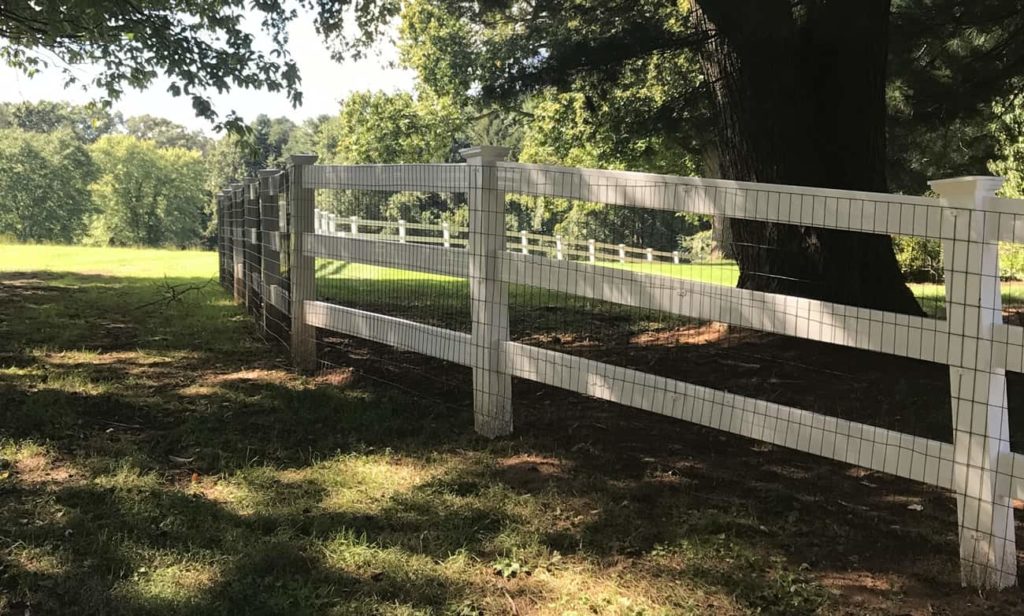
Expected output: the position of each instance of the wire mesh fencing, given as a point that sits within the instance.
(778, 313)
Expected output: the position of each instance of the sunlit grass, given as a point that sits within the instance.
(157, 457)
(131, 262)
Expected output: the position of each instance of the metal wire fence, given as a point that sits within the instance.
(801, 332)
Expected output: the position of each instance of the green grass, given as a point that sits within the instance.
(442, 299)
(156, 457)
(121, 262)
(715, 272)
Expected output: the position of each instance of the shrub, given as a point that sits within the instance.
(1011, 261)
(697, 247)
(920, 259)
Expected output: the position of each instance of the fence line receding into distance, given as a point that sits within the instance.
(276, 244)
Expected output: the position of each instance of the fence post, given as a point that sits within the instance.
(675, 257)
(270, 260)
(558, 247)
(446, 234)
(622, 253)
(592, 251)
(221, 239)
(229, 244)
(988, 555)
(492, 388)
(237, 247)
(301, 268)
(650, 254)
(401, 231)
(251, 240)
(524, 242)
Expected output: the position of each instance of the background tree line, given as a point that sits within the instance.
(874, 95)
(641, 108)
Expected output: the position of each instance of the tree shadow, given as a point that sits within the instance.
(601, 484)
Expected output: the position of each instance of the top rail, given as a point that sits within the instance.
(412, 178)
(869, 212)
(849, 210)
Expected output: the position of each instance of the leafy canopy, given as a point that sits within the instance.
(200, 45)
(145, 195)
(45, 186)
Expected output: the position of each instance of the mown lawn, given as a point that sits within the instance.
(156, 457)
(376, 285)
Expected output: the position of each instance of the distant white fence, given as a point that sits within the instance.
(524, 242)
(972, 340)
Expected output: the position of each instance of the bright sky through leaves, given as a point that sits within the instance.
(324, 83)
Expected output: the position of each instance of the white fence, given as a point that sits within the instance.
(977, 465)
(524, 242)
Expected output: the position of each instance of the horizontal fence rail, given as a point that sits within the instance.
(267, 260)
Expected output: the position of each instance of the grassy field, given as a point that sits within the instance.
(444, 301)
(156, 457)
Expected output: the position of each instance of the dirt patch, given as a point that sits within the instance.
(338, 377)
(532, 472)
(38, 469)
(259, 375)
(700, 333)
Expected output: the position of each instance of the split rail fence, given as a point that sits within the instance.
(272, 237)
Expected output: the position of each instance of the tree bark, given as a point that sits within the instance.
(799, 87)
(721, 232)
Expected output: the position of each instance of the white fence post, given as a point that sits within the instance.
(238, 250)
(270, 259)
(558, 247)
(446, 234)
(650, 254)
(524, 242)
(301, 268)
(401, 231)
(250, 228)
(675, 257)
(353, 225)
(592, 251)
(622, 253)
(988, 555)
(492, 387)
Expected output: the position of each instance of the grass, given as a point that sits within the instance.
(156, 457)
(356, 283)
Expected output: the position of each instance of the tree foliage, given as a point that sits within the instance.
(44, 180)
(165, 133)
(378, 127)
(201, 46)
(1008, 130)
(86, 122)
(146, 195)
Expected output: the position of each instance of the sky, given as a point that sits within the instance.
(324, 83)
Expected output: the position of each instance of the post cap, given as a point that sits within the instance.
(302, 159)
(266, 173)
(485, 153)
(967, 191)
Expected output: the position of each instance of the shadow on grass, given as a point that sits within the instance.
(162, 460)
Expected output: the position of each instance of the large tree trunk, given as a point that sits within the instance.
(800, 91)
